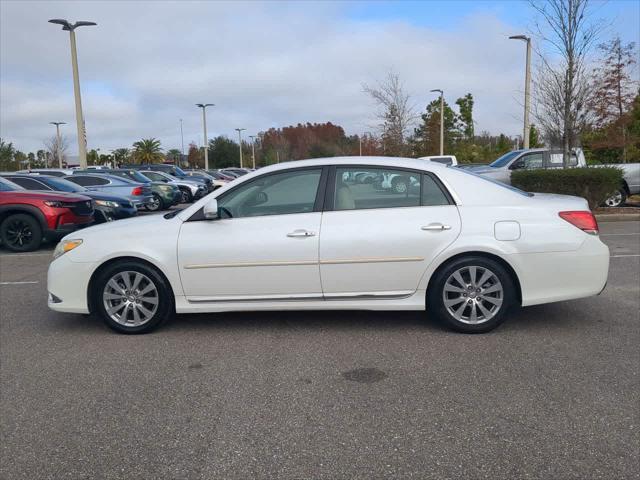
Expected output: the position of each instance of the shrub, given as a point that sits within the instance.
(592, 184)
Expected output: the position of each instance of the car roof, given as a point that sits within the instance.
(389, 162)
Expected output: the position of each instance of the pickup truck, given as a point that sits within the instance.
(630, 183)
(528, 159)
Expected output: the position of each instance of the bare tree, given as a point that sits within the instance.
(54, 149)
(395, 112)
(562, 83)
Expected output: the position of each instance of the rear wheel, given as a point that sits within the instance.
(132, 297)
(21, 232)
(617, 199)
(472, 294)
(186, 195)
(155, 204)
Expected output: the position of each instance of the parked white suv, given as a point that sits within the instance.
(443, 159)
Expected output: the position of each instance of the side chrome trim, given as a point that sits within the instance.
(255, 298)
(371, 260)
(248, 264)
(302, 297)
(304, 262)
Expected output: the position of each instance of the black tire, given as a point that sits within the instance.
(164, 297)
(21, 232)
(187, 197)
(436, 301)
(157, 204)
(617, 199)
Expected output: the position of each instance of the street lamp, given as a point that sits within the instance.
(57, 124)
(239, 130)
(253, 150)
(182, 138)
(441, 119)
(527, 93)
(204, 106)
(82, 138)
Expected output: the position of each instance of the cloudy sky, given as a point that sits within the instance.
(264, 64)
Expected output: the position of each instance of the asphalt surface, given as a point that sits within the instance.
(553, 393)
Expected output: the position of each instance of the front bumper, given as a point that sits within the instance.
(67, 285)
(66, 228)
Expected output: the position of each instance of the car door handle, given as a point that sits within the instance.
(436, 227)
(301, 233)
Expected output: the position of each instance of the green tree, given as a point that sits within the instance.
(426, 137)
(534, 137)
(7, 156)
(121, 155)
(465, 106)
(223, 152)
(147, 150)
(174, 155)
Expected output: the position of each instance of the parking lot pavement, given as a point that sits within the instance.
(553, 393)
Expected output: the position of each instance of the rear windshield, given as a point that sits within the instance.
(495, 182)
(505, 159)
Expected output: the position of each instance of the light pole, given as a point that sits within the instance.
(239, 130)
(182, 138)
(82, 138)
(527, 92)
(360, 139)
(441, 119)
(253, 150)
(203, 106)
(57, 124)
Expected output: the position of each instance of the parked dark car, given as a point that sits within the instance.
(139, 194)
(164, 195)
(107, 207)
(27, 218)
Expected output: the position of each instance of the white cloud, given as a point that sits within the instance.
(263, 64)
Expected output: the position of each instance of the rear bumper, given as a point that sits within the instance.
(558, 276)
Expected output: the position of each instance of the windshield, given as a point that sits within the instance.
(178, 172)
(8, 186)
(505, 159)
(131, 175)
(63, 185)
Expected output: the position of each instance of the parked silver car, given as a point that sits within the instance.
(191, 189)
(137, 193)
(630, 183)
(529, 159)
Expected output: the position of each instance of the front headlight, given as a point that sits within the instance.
(107, 203)
(66, 246)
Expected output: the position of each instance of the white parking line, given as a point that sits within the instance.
(620, 256)
(27, 254)
(17, 283)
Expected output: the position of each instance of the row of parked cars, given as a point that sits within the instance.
(46, 204)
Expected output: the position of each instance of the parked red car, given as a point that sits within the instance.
(28, 217)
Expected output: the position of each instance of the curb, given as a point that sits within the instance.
(617, 217)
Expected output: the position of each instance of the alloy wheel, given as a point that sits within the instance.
(130, 298)
(19, 233)
(473, 294)
(154, 204)
(614, 200)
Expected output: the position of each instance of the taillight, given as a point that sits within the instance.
(583, 220)
(136, 191)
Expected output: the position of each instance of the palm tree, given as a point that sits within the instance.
(175, 155)
(121, 155)
(147, 150)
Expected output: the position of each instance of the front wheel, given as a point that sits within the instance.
(21, 232)
(186, 196)
(132, 297)
(472, 294)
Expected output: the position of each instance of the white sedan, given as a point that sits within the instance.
(301, 236)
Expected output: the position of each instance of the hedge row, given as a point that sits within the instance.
(592, 184)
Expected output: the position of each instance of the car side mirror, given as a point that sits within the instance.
(210, 210)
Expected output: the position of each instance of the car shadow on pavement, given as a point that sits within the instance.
(536, 318)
